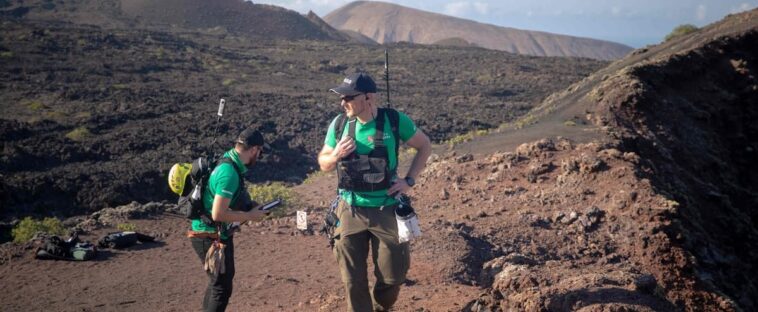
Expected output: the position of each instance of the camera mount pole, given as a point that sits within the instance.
(387, 75)
(220, 113)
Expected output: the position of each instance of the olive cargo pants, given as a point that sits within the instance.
(359, 229)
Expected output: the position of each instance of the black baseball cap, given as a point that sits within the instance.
(355, 84)
(252, 137)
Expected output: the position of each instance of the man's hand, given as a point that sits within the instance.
(398, 187)
(344, 147)
(328, 157)
(256, 215)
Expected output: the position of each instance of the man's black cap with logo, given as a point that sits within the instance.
(355, 84)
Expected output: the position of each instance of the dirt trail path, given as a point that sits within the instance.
(276, 270)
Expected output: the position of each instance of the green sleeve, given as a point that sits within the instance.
(224, 181)
(406, 127)
(330, 140)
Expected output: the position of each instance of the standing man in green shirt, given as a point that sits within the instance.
(224, 190)
(361, 145)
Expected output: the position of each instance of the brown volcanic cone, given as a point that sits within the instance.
(236, 16)
(385, 22)
(222, 16)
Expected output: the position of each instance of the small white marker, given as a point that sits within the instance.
(302, 220)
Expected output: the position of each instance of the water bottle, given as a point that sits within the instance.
(407, 222)
(196, 192)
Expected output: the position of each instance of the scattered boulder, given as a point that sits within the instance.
(558, 216)
(535, 148)
(444, 195)
(645, 283)
(569, 166)
(590, 164)
(571, 218)
(509, 191)
(133, 210)
(464, 158)
(502, 267)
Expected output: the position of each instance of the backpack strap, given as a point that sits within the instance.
(395, 125)
(379, 135)
(339, 127)
(226, 160)
(394, 118)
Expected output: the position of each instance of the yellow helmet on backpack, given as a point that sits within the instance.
(177, 177)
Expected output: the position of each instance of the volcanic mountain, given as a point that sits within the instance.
(223, 16)
(385, 22)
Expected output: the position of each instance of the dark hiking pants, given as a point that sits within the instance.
(361, 230)
(219, 288)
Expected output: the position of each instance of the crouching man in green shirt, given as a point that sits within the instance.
(362, 146)
(224, 190)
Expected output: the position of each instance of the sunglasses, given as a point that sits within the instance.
(348, 98)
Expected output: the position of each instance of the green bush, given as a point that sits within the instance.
(35, 105)
(6, 54)
(314, 175)
(28, 227)
(127, 227)
(466, 137)
(79, 134)
(681, 30)
(263, 193)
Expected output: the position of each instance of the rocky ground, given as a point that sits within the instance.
(94, 117)
(550, 226)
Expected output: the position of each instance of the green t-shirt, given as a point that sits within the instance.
(224, 182)
(364, 143)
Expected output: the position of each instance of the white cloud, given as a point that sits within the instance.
(615, 11)
(457, 8)
(481, 8)
(329, 3)
(700, 12)
(743, 7)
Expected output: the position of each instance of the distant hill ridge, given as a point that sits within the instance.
(237, 17)
(386, 22)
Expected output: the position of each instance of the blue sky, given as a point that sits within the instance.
(632, 22)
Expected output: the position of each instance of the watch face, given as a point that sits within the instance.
(410, 181)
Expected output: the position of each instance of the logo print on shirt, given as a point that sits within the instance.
(370, 138)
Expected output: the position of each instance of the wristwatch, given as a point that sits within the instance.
(410, 181)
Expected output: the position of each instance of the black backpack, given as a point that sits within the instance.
(55, 248)
(191, 206)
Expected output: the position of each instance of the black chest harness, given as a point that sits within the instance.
(371, 172)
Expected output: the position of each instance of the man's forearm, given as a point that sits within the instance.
(419, 162)
(221, 212)
(327, 161)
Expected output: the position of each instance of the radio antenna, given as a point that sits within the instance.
(387, 76)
